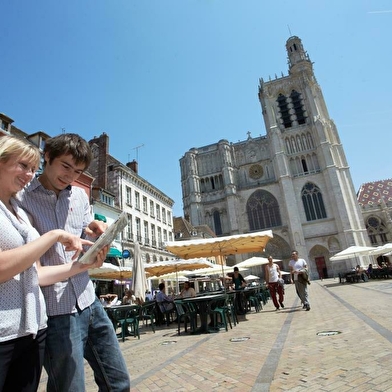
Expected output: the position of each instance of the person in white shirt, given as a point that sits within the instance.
(272, 276)
(129, 298)
(298, 269)
(149, 296)
(187, 291)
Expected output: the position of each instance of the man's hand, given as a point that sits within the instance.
(97, 263)
(101, 257)
(96, 228)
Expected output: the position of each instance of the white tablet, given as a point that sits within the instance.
(104, 239)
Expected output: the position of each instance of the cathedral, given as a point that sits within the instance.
(295, 180)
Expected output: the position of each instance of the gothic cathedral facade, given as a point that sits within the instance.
(295, 180)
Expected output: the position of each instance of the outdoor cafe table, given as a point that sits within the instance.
(203, 303)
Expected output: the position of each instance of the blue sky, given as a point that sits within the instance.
(172, 75)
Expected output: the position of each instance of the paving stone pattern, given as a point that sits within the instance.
(283, 351)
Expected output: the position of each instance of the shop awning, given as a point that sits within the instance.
(114, 252)
(100, 217)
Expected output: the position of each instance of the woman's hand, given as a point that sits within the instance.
(72, 242)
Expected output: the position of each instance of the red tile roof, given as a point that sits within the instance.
(371, 193)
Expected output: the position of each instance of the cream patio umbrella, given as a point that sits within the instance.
(176, 266)
(221, 246)
(110, 272)
(215, 270)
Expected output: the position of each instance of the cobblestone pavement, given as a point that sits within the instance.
(280, 350)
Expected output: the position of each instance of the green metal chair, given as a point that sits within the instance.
(147, 313)
(185, 314)
(230, 303)
(221, 308)
(125, 317)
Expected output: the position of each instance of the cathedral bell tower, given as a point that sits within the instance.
(296, 52)
(308, 157)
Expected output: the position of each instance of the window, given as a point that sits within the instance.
(304, 165)
(107, 199)
(217, 223)
(263, 211)
(153, 236)
(210, 184)
(159, 237)
(145, 204)
(313, 203)
(377, 230)
(137, 200)
(303, 142)
(152, 208)
(138, 230)
(163, 215)
(158, 210)
(129, 228)
(128, 195)
(284, 111)
(4, 125)
(298, 107)
(146, 237)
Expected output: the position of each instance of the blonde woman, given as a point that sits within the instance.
(22, 306)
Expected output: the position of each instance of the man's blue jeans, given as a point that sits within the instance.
(86, 334)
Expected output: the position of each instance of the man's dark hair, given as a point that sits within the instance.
(235, 268)
(69, 144)
(161, 286)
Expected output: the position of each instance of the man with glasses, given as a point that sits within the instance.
(299, 271)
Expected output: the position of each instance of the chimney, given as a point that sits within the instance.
(133, 166)
(98, 167)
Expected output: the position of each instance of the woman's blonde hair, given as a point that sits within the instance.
(11, 146)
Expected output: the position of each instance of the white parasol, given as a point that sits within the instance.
(139, 281)
(352, 251)
(251, 277)
(382, 250)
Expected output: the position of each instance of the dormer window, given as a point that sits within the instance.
(4, 125)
